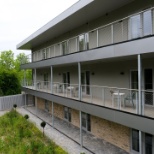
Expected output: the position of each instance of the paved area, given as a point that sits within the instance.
(68, 136)
(2, 113)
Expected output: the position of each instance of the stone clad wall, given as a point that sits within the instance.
(40, 103)
(116, 134)
(75, 118)
(59, 111)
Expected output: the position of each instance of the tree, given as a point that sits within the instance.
(26, 116)
(9, 83)
(22, 59)
(43, 124)
(7, 60)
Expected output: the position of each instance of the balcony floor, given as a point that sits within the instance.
(110, 103)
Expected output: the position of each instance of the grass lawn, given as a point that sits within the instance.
(19, 136)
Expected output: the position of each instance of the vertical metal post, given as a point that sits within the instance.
(81, 138)
(53, 114)
(136, 102)
(140, 142)
(103, 96)
(79, 78)
(97, 38)
(112, 40)
(139, 84)
(35, 78)
(51, 80)
(76, 43)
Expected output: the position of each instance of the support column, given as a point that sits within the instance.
(53, 114)
(140, 142)
(79, 78)
(139, 85)
(35, 78)
(81, 137)
(51, 79)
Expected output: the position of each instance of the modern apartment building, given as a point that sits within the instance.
(93, 66)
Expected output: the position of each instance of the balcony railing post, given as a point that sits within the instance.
(136, 102)
(97, 39)
(91, 95)
(79, 78)
(51, 80)
(139, 84)
(103, 96)
(35, 78)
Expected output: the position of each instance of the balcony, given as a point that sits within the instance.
(133, 27)
(122, 99)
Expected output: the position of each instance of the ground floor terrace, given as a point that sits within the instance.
(98, 135)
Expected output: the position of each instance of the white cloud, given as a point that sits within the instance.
(20, 18)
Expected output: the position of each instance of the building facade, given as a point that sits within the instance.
(93, 66)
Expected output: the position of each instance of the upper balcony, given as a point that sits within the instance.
(134, 27)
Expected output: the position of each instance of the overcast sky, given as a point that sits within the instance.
(21, 18)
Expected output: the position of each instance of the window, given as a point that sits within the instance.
(67, 114)
(148, 144)
(134, 79)
(64, 48)
(135, 26)
(66, 79)
(147, 23)
(81, 42)
(45, 78)
(43, 54)
(135, 140)
(86, 122)
(46, 106)
(86, 41)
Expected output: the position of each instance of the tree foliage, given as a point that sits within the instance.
(7, 60)
(11, 75)
(9, 83)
